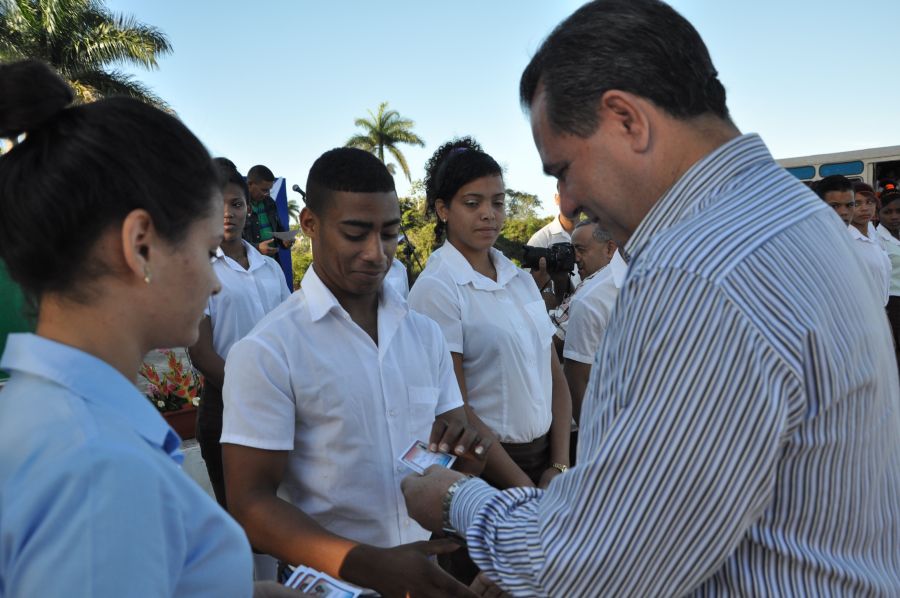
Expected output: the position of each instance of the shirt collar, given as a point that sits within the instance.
(98, 383)
(556, 227)
(254, 258)
(320, 300)
(854, 232)
(886, 235)
(716, 172)
(463, 273)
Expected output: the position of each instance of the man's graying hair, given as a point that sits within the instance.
(640, 46)
(600, 234)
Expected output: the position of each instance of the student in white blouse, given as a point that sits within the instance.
(494, 320)
(868, 242)
(252, 286)
(331, 387)
(889, 233)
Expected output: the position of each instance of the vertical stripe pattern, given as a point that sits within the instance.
(741, 429)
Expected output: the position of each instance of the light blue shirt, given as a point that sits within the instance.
(93, 501)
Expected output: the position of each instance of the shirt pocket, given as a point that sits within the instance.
(422, 403)
(540, 319)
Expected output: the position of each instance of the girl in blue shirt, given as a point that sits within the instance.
(111, 213)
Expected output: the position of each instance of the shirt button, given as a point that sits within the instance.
(406, 523)
(400, 469)
(392, 413)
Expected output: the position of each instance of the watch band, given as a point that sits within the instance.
(447, 501)
(562, 468)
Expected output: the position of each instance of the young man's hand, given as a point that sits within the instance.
(404, 571)
(462, 440)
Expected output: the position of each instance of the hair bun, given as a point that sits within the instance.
(31, 94)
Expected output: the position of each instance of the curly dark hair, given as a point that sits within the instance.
(454, 164)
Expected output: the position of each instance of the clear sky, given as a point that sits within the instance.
(280, 82)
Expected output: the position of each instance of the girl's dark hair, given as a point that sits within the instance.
(228, 173)
(453, 165)
(82, 169)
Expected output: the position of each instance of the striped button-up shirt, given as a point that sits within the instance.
(741, 429)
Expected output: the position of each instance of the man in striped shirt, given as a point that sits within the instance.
(741, 429)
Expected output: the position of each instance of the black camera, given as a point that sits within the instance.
(560, 257)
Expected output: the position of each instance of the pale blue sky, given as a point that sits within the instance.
(279, 82)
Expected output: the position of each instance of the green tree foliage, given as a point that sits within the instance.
(83, 41)
(521, 205)
(385, 131)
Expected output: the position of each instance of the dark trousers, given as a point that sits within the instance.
(209, 431)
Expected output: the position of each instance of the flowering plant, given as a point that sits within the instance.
(175, 388)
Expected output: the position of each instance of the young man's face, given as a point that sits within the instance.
(354, 240)
(842, 203)
(259, 189)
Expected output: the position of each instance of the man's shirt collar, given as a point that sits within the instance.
(706, 180)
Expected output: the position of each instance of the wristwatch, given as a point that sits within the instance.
(562, 468)
(447, 501)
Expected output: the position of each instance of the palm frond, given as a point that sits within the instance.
(363, 142)
(116, 83)
(401, 160)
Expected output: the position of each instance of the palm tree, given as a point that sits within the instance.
(81, 39)
(384, 131)
(293, 209)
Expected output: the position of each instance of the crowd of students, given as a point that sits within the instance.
(687, 331)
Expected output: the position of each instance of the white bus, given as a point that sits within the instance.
(867, 165)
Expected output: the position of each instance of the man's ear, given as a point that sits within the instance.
(611, 249)
(625, 114)
(140, 244)
(310, 223)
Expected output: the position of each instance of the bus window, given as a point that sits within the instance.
(803, 172)
(845, 168)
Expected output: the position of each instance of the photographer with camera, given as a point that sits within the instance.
(559, 280)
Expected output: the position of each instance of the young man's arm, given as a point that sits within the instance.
(274, 526)
(204, 356)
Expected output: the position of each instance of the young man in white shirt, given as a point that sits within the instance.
(603, 272)
(326, 392)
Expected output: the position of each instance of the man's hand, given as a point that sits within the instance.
(547, 477)
(460, 439)
(424, 494)
(266, 248)
(404, 571)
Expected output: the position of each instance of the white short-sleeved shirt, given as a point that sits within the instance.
(551, 233)
(892, 246)
(590, 310)
(502, 331)
(310, 381)
(876, 260)
(396, 277)
(246, 296)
